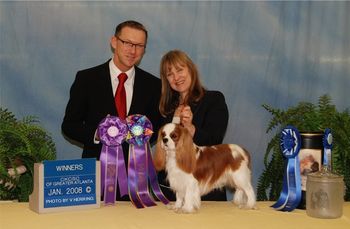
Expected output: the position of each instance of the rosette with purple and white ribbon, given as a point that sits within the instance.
(290, 196)
(327, 147)
(112, 132)
(141, 166)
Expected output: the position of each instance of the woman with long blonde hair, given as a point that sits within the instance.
(184, 100)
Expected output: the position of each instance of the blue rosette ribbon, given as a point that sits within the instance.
(327, 147)
(141, 168)
(290, 196)
(112, 132)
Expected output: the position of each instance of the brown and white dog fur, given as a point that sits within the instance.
(193, 171)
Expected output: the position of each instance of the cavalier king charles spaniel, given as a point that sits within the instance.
(193, 171)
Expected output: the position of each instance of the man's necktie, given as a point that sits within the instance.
(120, 96)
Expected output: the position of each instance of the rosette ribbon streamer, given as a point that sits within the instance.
(112, 132)
(290, 196)
(327, 147)
(141, 168)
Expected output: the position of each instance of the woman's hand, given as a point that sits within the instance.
(186, 116)
(178, 110)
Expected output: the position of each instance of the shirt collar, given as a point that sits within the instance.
(115, 72)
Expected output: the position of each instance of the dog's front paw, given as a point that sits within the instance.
(185, 210)
(246, 207)
(170, 206)
(174, 207)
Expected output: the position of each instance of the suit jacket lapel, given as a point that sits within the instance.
(107, 85)
(138, 92)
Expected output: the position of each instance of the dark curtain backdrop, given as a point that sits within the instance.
(278, 53)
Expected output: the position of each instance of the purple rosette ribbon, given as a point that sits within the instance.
(141, 168)
(112, 132)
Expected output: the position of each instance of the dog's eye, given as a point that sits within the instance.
(173, 136)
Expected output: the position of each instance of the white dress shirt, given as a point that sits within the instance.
(128, 85)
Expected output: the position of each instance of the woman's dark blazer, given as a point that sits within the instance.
(210, 117)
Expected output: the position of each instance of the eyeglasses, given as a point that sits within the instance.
(129, 45)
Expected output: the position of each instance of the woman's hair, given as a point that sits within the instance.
(170, 98)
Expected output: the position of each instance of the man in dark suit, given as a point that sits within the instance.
(92, 95)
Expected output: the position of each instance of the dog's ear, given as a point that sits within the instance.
(159, 155)
(185, 152)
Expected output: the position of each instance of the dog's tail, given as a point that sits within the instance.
(243, 153)
(248, 158)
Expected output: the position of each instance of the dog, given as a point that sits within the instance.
(193, 171)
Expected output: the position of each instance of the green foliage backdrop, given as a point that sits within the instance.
(22, 142)
(305, 117)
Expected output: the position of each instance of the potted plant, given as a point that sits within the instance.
(306, 117)
(22, 143)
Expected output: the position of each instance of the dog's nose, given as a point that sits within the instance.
(165, 140)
